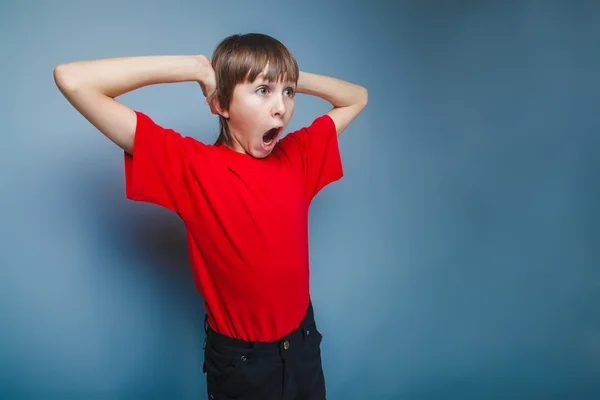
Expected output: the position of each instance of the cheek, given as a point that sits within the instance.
(244, 120)
(290, 103)
(244, 110)
(290, 109)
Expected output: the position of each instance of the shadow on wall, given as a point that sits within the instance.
(144, 259)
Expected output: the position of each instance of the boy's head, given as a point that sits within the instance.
(256, 77)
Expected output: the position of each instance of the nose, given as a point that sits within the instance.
(278, 108)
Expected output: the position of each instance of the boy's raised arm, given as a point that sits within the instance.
(348, 99)
(92, 86)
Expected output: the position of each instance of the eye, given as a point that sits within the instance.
(289, 92)
(262, 90)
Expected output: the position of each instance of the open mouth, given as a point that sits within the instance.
(270, 136)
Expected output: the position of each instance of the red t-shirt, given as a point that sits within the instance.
(246, 219)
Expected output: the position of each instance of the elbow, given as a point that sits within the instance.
(64, 78)
(60, 76)
(363, 97)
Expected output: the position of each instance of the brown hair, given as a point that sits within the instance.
(241, 58)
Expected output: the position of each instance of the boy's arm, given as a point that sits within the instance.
(91, 86)
(348, 99)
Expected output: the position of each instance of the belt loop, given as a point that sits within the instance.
(206, 332)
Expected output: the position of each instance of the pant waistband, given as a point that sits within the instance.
(223, 340)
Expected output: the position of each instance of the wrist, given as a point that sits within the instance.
(203, 68)
(309, 84)
(301, 86)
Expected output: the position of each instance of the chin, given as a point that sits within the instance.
(261, 150)
(260, 153)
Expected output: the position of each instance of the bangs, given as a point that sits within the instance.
(272, 66)
(254, 55)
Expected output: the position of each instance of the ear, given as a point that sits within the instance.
(216, 109)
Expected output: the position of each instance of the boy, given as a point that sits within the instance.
(244, 199)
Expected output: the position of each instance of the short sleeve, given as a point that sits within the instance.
(158, 169)
(319, 153)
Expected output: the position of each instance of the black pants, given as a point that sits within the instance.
(287, 369)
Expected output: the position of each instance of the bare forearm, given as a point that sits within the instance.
(92, 86)
(116, 76)
(338, 92)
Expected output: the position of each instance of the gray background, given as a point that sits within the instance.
(458, 258)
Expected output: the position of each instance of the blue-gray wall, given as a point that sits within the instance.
(458, 258)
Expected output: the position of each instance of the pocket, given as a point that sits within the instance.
(311, 352)
(235, 373)
(222, 364)
(313, 333)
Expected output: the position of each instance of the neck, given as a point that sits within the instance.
(234, 145)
